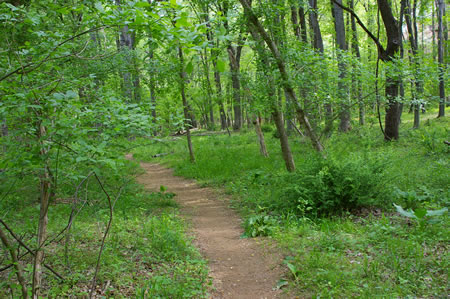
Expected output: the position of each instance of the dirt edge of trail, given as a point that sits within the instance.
(240, 268)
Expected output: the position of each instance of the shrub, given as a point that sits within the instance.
(323, 187)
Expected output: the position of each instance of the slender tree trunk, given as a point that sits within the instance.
(356, 80)
(339, 26)
(45, 194)
(295, 24)
(284, 142)
(234, 54)
(125, 45)
(417, 89)
(185, 104)
(276, 113)
(440, 7)
(314, 24)
(283, 72)
(259, 133)
(317, 43)
(223, 117)
(302, 15)
(402, 50)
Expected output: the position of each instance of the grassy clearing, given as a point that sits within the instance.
(147, 252)
(334, 218)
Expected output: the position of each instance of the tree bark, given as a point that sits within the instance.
(417, 89)
(259, 133)
(440, 7)
(356, 80)
(45, 194)
(392, 83)
(125, 45)
(317, 41)
(234, 55)
(339, 26)
(185, 105)
(303, 29)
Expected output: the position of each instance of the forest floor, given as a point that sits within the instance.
(239, 267)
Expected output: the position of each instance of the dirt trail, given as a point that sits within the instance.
(240, 268)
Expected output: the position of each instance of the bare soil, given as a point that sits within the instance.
(240, 268)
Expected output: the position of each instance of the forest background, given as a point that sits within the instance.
(318, 116)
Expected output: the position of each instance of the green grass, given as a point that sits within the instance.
(148, 253)
(364, 249)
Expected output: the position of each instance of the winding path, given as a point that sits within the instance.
(240, 268)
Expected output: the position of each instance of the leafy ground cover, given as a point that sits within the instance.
(147, 252)
(334, 218)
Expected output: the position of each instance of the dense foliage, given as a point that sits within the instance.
(83, 83)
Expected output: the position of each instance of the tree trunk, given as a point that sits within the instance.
(317, 41)
(185, 104)
(284, 142)
(234, 54)
(339, 26)
(283, 72)
(276, 114)
(45, 194)
(356, 80)
(125, 45)
(392, 83)
(259, 133)
(440, 13)
(302, 15)
(417, 89)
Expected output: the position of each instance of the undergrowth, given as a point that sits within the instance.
(334, 216)
(147, 253)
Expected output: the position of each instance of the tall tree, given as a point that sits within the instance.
(440, 7)
(234, 56)
(387, 55)
(356, 80)
(286, 82)
(417, 86)
(339, 26)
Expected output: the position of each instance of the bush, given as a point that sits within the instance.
(324, 187)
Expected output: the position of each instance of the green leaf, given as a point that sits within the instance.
(221, 65)
(420, 213)
(189, 67)
(437, 212)
(99, 7)
(182, 22)
(401, 211)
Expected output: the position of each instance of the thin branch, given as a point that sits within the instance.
(17, 265)
(28, 248)
(47, 58)
(108, 226)
(376, 40)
